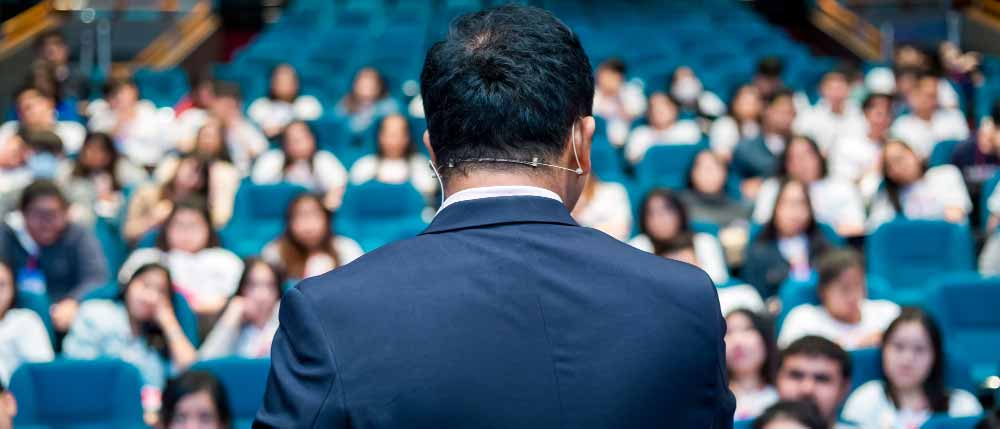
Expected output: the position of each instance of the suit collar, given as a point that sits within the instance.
(500, 210)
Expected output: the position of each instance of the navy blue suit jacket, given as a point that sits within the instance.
(504, 313)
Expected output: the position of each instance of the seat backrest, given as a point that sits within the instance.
(76, 393)
(374, 201)
(989, 187)
(966, 310)
(945, 422)
(667, 166)
(908, 252)
(244, 381)
(941, 154)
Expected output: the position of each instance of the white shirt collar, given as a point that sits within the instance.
(498, 191)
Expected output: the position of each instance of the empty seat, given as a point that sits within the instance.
(906, 253)
(375, 213)
(666, 166)
(965, 307)
(77, 394)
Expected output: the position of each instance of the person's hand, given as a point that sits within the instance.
(63, 313)
(751, 187)
(954, 214)
(333, 198)
(165, 316)
(872, 340)
(235, 309)
(161, 211)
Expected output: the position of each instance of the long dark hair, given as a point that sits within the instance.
(770, 231)
(222, 154)
(150, 331)
(270, 82)
(804, 412)
(351, 102)
(13, 289)
(765, 328)
(284, 143)
(411, 149)
(293, 253)
(168, 191)
(732, 103)
(105, 141)
(190, 204)
(934, 387)
(894, 189)
(694, 164)
(783, 159)
(674, 203)
(248, 265)
(190, 383)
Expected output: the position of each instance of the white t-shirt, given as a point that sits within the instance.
(707, 249)
(346, 248)
(23, 338)
(144, 140)
(415, 170)
(749, 405)
(871, 408)
(725, 133)
(940, 188)
(70, 133)
(921, 135)
(683, 132)
(326, 172)
(835, 202)
(857, 159)
(608, 210)
(826, 127)
(740, 296)
(808, 319)
(268, 113)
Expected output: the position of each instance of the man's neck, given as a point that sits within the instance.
(482, 179)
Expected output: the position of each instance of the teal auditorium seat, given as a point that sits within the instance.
(667, 166)
(163, 87)
(907, 253)
(78, 394)
(965, 307)
(945, 422)
(988, 189)
(941, 154)
(258, 216)
(244, 381)
(375, 213)
(185, 316)
(39, 303)
(606, 161)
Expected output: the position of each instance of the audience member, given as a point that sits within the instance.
(8, 407)
(663, 219)
(151, 204)
(138, 326)
(742, 123)
(51, 255)
(836, 202)
(195, 400)
(368, 101)
(309, 246)
(662, 128)
(52, 48)
(928, 122)
(834, 116)
(605, 206)
(767, 78)
(858, 157)
(845, 314)
(691, 96)
(913, 191)
(791, 415)
(139, 130)
(284, 103)
(707, 199)
(250, 318)
(23, 337)
(95, 181)
(395, 159)
(223, 176)
(205, 273)
(617, 101)
(979, 157)
(787, 246)
(751, 358)
(244, 140)
(757, 158)
(816, 370)
(912, 385)
(36, 111)
(299, 161)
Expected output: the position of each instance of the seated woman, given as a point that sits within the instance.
(299, 161)
(751, 359)
(94, 183)
(662, 219)
(250, 319)
(912, 385)
(139, 130)
(23, 337)
(138, 326)
(691, 95)
(396, 159)
(368, 100)
(845, 315)
(605, 206)
(707, 199)
(195, 397)
(742, 122)
(224, 177)
(663, 129)
(309, 247)
(284, 103)
(788, 245)
(836, 202)
(205, 273)
(912, 190)
(791, 414)
(152, 203)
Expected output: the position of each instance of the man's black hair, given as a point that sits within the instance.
(507, 82)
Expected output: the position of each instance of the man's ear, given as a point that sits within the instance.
(586, 139)
(427, 144)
